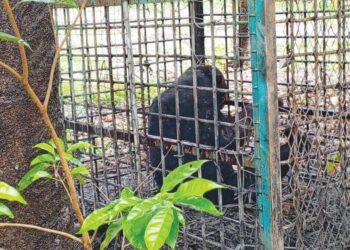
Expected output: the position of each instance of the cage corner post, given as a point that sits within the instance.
(265, 99)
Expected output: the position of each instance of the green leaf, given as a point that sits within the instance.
(36, 173)
(70, 158)
(106, 214)
(10, 193)
(43, 158)
(79, 146)
(196, 187)
(66, 3)
(4, 210)
(52, 143)
(81, 180)
(200, 204)
(180, 217)
(10, 38)
(180, 174)
(158, 228)
(135, 230)
(47, 147)
(112, 232)
(98, 217)
(174, 232)
(143, 207)
(332, 165)
(81, 170)
(127, 193)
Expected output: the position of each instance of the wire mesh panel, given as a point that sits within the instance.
(155, 85)
(313, 52)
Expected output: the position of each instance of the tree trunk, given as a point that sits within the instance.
(21, 128)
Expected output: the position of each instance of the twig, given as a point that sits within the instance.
(22, 51)
(58, 51)
(43, 229)
(11, 70)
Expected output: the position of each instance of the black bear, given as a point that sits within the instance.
(226, 134)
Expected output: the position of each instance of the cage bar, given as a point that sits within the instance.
(266, 155)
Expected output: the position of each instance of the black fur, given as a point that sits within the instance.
(227, 137)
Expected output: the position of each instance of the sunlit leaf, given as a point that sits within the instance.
(135, 234)
(10, 38)
(112, 232)
(127, 193)
(34, 174)
(106, 214)
(180, 174)
(10, 193)
(47, 147)
(52, 143)
(174, 231)
(4, 210)
(81, 170)
(70, 158)
(98, 217)
(79, 146)
(180, 217)
(200, 204)
(143, 207)
(158, 228)
(43, 158)
(81, 180)
(196, 187)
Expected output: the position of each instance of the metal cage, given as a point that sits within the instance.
(287, 59)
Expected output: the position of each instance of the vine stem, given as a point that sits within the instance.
(42, 229)
(45, 116)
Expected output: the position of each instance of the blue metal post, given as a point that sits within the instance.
(265, 99)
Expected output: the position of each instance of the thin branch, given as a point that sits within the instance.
(51, 20)
(23, 54)
(58, 51)
(42, 229)
(22, 50)
(11, 70)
